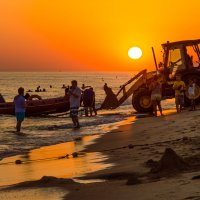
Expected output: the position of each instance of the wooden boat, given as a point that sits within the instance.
(38, 107)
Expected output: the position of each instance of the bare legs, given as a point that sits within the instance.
(177, 108)
(75, 122)
(90, 110)
(193, 107)
(179, 100)
(18, 126)
(155, 104)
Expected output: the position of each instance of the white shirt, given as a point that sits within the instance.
(191, 89)
(19, 102)
(75, 101)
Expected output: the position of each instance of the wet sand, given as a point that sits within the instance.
(131, 177)
(52, 161)
(134, 150)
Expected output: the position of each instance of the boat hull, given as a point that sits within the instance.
(38, 107)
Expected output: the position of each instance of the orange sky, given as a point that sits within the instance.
(94, 35)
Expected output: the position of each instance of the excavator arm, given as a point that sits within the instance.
(138, 80)
(122, 95)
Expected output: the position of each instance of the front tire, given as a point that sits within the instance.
(141, 101)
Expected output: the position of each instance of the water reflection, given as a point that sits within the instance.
(34, 167)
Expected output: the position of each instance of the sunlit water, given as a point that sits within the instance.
(46, 161)
(43, 131)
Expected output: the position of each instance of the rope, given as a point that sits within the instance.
(77, 154)
(74, 155)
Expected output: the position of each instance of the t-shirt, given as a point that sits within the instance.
(191, 89)
(156, 89)
(19, 102)
(179, 87)
(75, 101)
(88, 94)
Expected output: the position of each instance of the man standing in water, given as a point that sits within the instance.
(19, 102)
(74, 99)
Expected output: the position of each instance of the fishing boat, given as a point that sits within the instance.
(38, 106)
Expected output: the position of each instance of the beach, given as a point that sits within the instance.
(80, 83)
(132, 151)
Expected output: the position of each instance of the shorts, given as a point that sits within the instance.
(191, 96)
(20, 116)
(156, 97)
(179, 100)
(74, 111)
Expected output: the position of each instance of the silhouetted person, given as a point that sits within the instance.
(179, 87)
(83, 87)
(156, 95)
(27, 95)
(19, 102)
(2, 100)
(89, 101)
(189, 60)
(74, 99)
(38, 89)
(105, 87)
(93, 103)
(191, 94)
(66, 90)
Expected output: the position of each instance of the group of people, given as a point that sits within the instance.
(86, 96)
(180, 90)
(77, 96)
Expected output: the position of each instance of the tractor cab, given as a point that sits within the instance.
(181, 57)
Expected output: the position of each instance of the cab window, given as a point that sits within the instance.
(175, 62)
(192, 58)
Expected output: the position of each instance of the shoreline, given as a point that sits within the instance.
(65, 132)
(149, 138)
(55, 152)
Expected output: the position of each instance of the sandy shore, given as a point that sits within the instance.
(139, 173)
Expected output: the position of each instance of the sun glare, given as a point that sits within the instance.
(134, 52)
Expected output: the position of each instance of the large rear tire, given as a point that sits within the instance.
(141, 101)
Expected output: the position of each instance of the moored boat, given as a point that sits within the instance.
(38, 107)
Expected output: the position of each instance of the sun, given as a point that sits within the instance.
(134, 52)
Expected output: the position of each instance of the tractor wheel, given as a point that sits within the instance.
(197, 89)
(141, 101)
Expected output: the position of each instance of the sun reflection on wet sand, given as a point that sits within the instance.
(33, 168)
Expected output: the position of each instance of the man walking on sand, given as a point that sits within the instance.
(179, 87)
(156, 95)
(19, 102)
(74, 99)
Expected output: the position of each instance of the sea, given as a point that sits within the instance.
(55, 129)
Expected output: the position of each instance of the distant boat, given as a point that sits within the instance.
(38, 107)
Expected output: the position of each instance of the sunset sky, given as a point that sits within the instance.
(90, 35)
